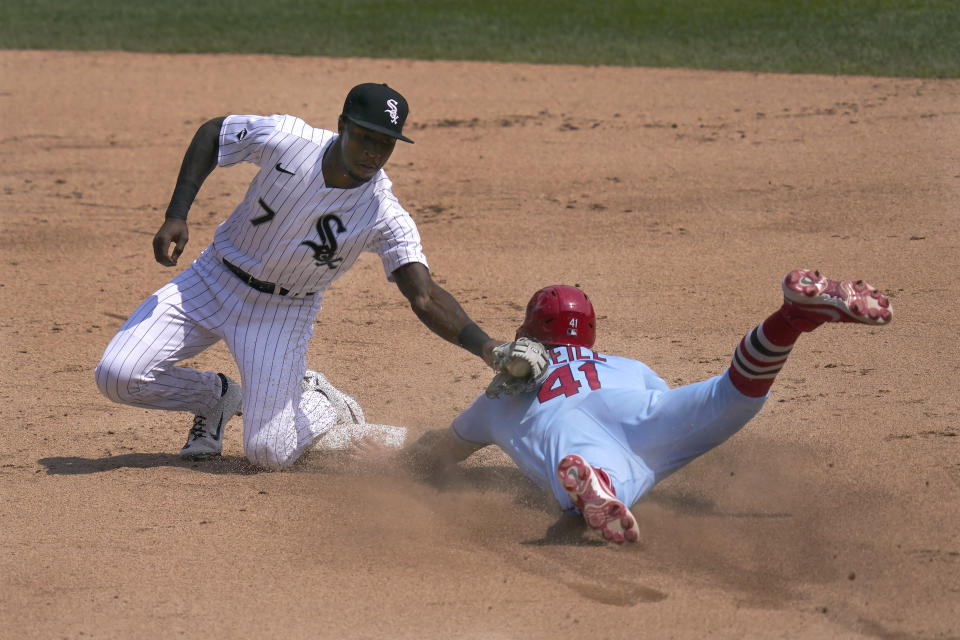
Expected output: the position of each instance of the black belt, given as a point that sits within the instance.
(259, 285)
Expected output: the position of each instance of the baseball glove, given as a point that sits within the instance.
(520, 367)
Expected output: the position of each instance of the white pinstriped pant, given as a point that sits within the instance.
(267, 336)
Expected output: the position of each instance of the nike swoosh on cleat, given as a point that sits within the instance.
(280, 168)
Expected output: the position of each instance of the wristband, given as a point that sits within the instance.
(472, 338)
(180, 201)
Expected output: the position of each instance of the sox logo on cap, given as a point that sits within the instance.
(391, 110)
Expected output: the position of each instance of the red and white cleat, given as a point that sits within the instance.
(590, 490)
(810, 296)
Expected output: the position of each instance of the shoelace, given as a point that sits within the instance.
(198, 430)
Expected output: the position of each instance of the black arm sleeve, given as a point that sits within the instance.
(472, 338)
(199, 160)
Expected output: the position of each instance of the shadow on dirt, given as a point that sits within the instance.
(569, 530)
(683, 502)
(74, 465)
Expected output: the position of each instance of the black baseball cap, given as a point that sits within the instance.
(377, 107)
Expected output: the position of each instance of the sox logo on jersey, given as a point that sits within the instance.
(323, 252)
(289, 204)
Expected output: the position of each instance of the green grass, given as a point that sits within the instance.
(919, 38)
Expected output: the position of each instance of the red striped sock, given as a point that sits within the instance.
(761, 354)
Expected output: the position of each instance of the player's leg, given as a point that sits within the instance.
(137, 367)
(685, 422)
(590, 468)
(592, 492)
(205, 437)
(176, 323)
(282, 415)
(810, 300)
(351, 425)
(680, 424)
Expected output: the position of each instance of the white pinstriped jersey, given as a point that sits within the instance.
(291, 228)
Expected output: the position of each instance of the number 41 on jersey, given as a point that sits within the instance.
(563, 382)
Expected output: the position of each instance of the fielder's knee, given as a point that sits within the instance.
(112, 381)
(269, 457)
(121, 384)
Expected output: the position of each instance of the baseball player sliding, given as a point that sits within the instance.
(600, 430)
(319, 199)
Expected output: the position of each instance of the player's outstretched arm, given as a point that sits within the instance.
(428, 458)
(198, 161)
(434, 453)
(440, 311)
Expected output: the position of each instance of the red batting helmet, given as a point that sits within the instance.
(560, 314)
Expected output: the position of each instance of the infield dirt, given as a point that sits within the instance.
(676, 199)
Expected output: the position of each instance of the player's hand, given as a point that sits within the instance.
(370, 455)
(488, 354)
(173, 231)
(369, 450)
